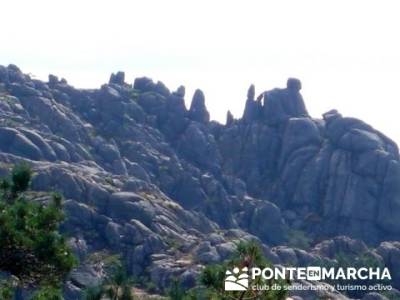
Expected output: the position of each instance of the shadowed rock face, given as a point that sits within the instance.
(141, 172)
(198, 111)
(339, 175)
(279, 104)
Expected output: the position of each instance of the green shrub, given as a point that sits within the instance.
(298, 239)
(94, 293)
(118, 286)
(365, 260)
(32, 248)
(211, 282)
(176, 292)
(6, 290)
(48, 293)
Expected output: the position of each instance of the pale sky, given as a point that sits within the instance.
(346, 53)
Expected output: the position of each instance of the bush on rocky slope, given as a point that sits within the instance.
(31, 247)
(169, 190)
(211, 282)
(117, 286)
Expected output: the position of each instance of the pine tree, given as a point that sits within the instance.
(31, 247)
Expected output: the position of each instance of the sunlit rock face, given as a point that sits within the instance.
(154, 181)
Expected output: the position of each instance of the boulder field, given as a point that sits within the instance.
(169, 190)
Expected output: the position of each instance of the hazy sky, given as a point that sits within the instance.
(346, 53)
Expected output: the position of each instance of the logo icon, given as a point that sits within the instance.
(237, 280)
(313, 273)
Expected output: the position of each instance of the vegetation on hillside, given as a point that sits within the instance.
(118, 286)
(344, 261)
(32, 251)
(211, 282)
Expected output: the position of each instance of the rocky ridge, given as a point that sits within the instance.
(170, 190)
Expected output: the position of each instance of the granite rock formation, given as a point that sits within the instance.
(170, 190)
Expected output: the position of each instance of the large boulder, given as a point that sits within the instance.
(390, 252)
(199, 146)
(198, 111)
(58, 118)
(282, 104)
(267, 223)
(117, 78)
(145, 84)
(13, 141)
(41, 143)
(252, 109)
(128, 205)
(340, 245)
